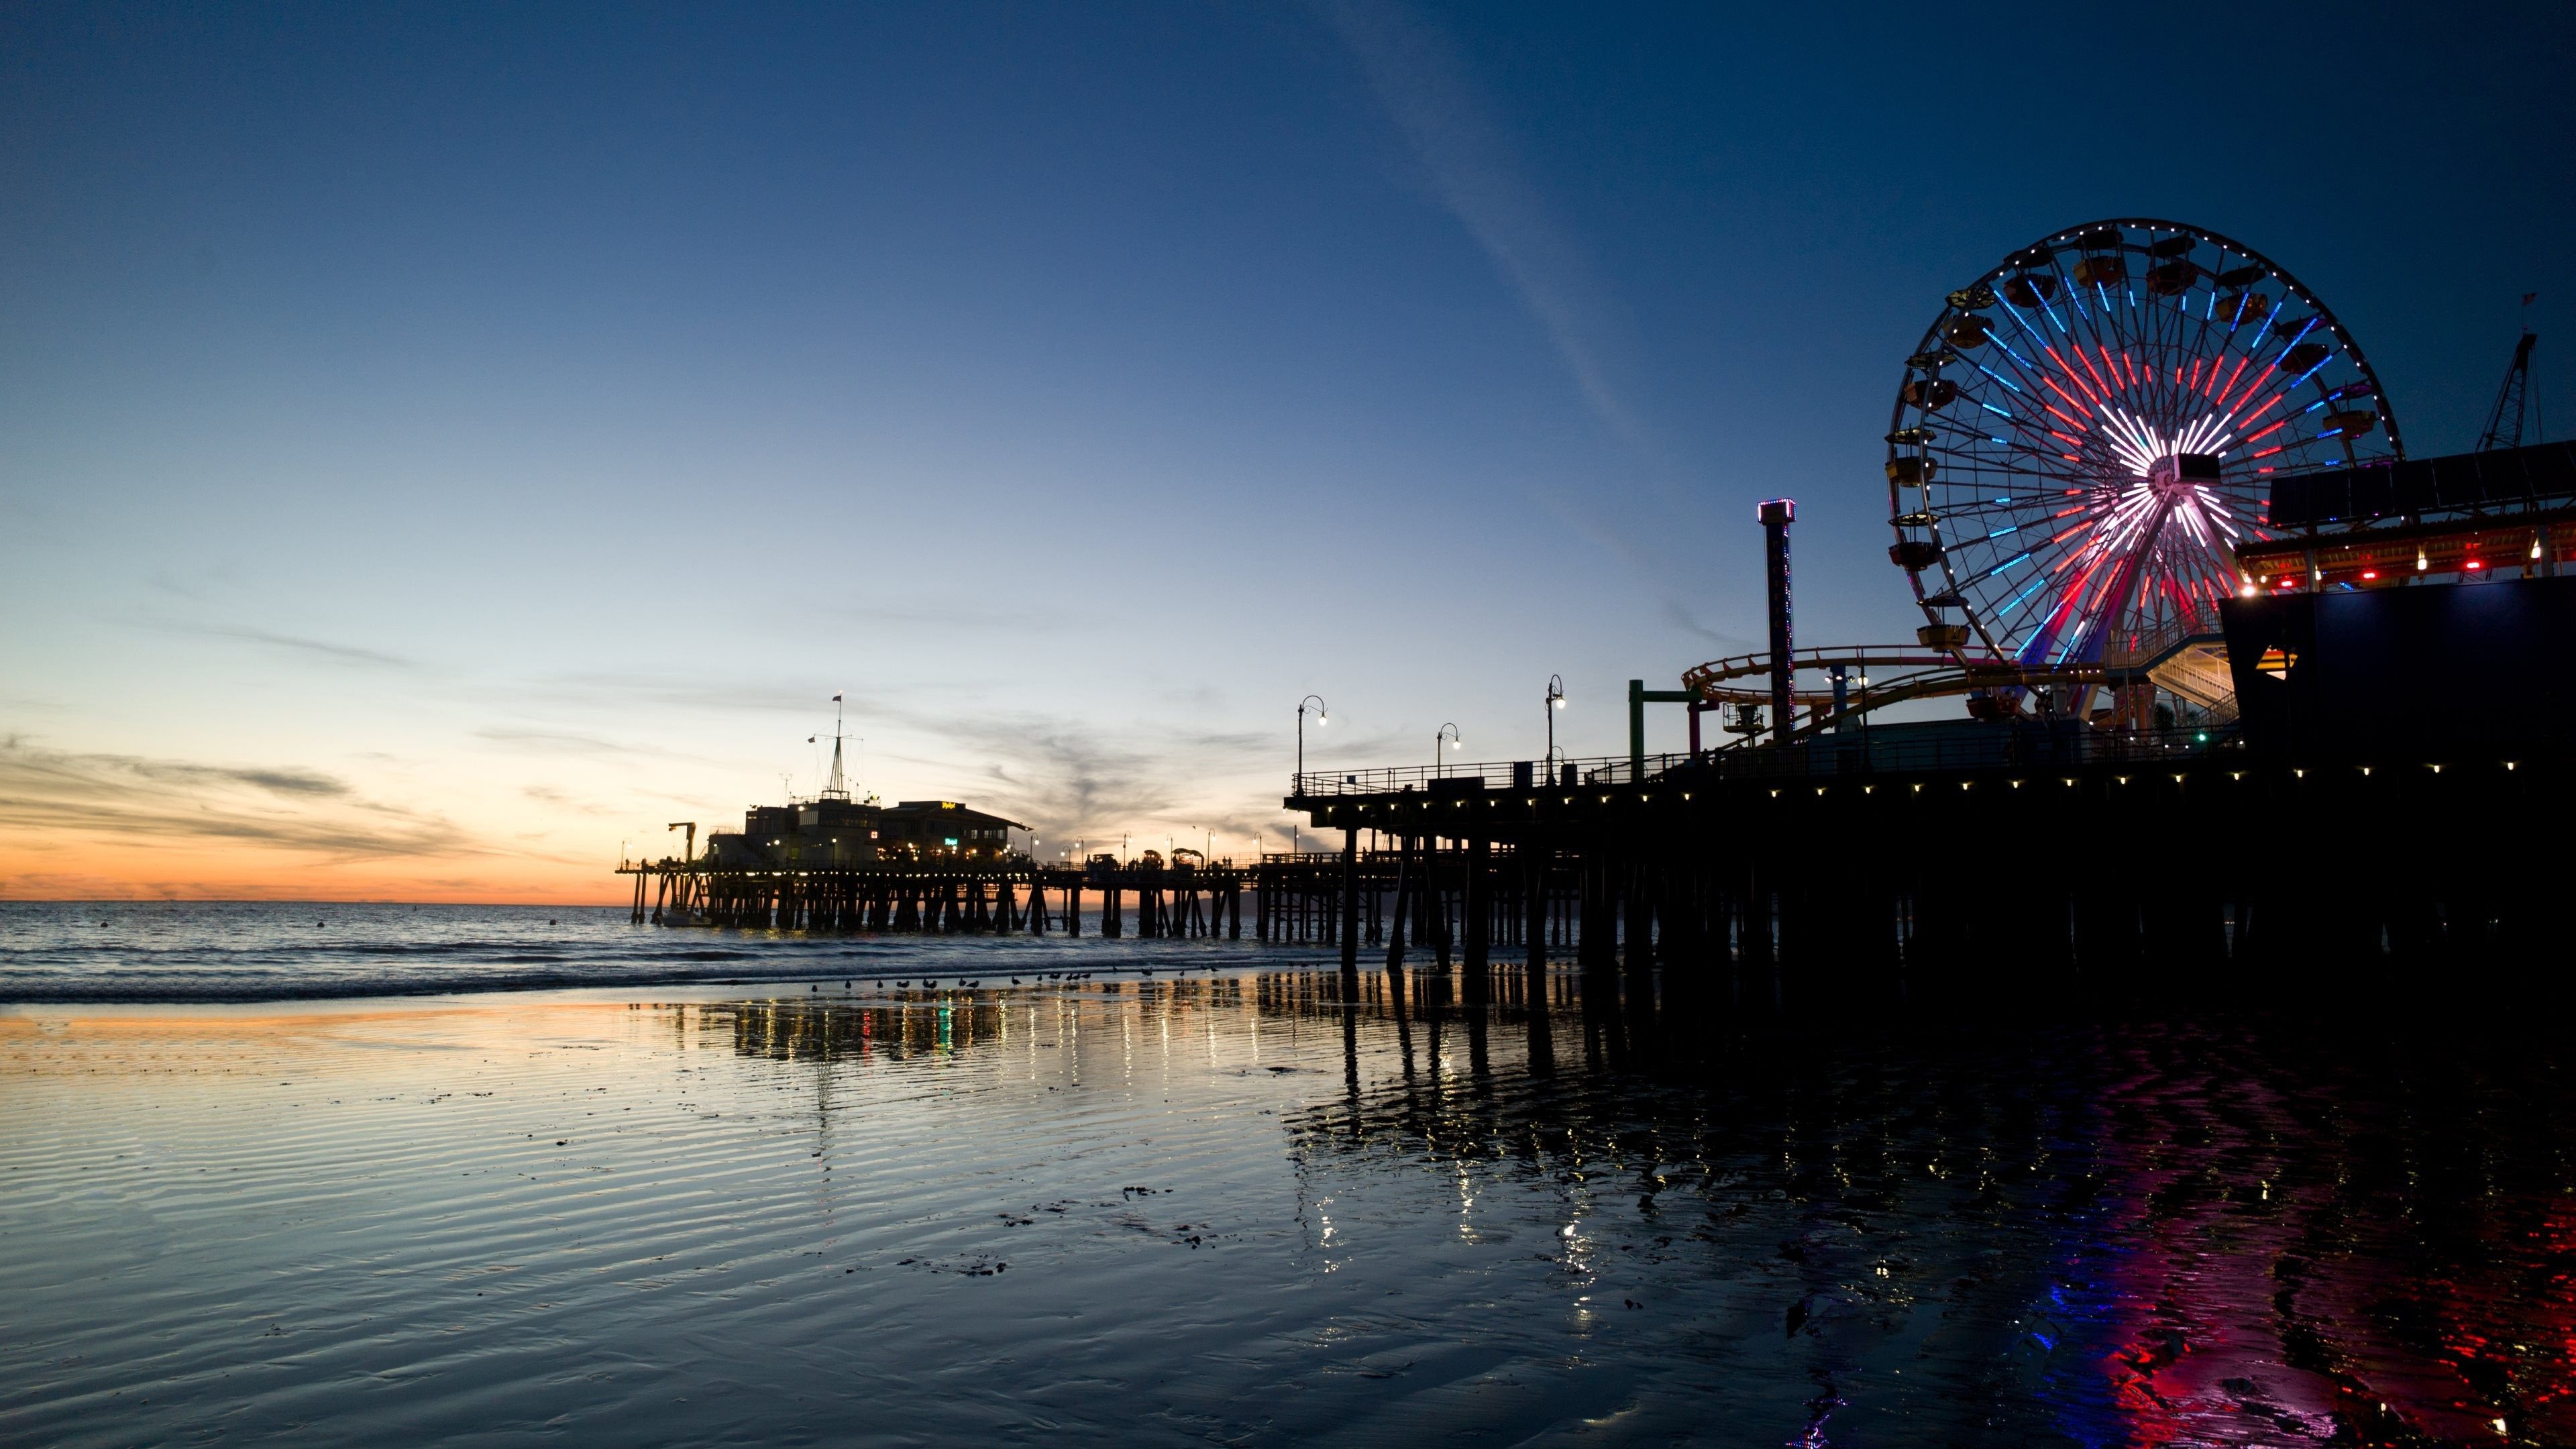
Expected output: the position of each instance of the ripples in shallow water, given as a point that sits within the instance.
(1232, 1209)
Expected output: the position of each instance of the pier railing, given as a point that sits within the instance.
(1892, 752)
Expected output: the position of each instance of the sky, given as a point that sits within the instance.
(440, 446)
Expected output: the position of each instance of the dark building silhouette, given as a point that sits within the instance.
(829, 832)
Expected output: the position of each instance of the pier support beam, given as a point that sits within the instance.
(1351, 907)
(1480, 911)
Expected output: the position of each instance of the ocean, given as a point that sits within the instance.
(301, 951)
(521, 1176)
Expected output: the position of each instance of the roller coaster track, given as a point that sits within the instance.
(1927, 674)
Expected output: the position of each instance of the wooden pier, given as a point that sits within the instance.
(2016, 859)
(997, 898)
(1807, 872)
(1296, 898)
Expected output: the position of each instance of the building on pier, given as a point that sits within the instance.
(844, 832)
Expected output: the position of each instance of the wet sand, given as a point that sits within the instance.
(1226, 1210)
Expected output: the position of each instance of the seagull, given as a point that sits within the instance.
(1015, 981)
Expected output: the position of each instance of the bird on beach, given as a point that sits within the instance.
(929, 983)
(1015, 981)
(903, 983)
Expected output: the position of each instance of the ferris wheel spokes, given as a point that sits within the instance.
(2085, 433)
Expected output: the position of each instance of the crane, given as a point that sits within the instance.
(2504, 420)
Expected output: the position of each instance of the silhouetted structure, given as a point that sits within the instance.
(827, 833)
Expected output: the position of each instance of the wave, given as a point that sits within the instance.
(60, 954)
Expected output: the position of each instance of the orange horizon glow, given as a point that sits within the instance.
(86, 870)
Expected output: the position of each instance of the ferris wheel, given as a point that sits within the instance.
(2088, 430)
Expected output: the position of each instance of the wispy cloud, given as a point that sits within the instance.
(561, 742)
(294, 644)
(1467, 163)
(141, 800)
(1065, 778)
(1419, 78)
(549, 796)
(1680, 616)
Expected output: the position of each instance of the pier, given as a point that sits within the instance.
(1802, 872)
(997, 897)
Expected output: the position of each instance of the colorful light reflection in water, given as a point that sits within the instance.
(1232, 1203)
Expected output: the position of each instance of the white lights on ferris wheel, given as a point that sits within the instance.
(2141, 447)
(2135, 386)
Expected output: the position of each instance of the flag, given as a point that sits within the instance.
(2527, 299)
(809, 739)
(836, 699)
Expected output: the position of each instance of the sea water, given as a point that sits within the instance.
(1227, 1205)
(284, 951)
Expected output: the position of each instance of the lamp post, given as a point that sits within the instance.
(1555, 702)
(1322, 718)
(1449, 734)
(1863, 682)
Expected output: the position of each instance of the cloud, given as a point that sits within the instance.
(1063, 778)
(339, 653)
(548, 795)
(1068, 780)
(1418, 78)
(1679, 615)
(558, 742)
(146, 801)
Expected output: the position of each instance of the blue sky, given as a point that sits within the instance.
(441, 443)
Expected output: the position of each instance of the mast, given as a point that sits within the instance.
(833, 789)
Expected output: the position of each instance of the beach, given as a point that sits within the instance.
(1230, 1208)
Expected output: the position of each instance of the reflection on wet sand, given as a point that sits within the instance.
(1408, 1199)
(2147, 1235)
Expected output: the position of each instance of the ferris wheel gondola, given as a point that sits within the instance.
(2086, 432)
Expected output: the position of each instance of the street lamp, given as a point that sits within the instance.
(1448, 732)
(1555, 702)
(1322, 718)
(1863, 681)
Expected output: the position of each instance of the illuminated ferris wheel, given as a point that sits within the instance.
(2088, 430)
